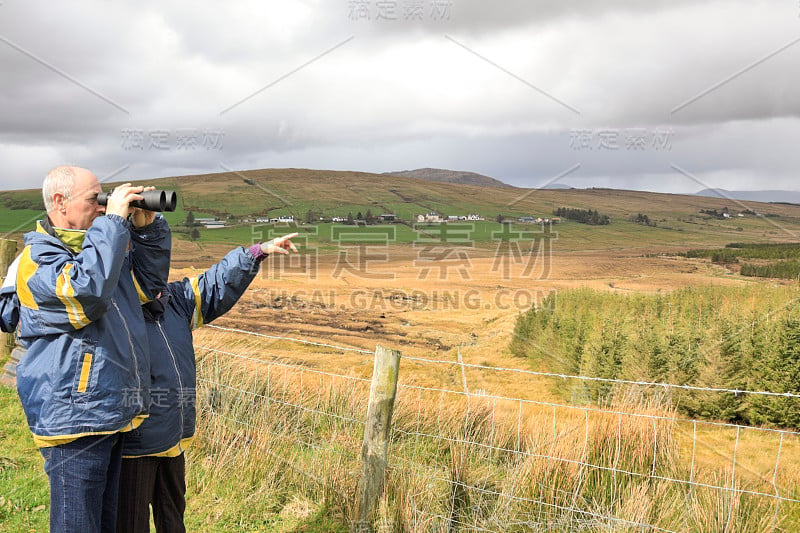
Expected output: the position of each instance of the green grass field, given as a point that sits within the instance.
(13, 222)
(568, 236)
(214, 503)
(24, 495)
(273, 192)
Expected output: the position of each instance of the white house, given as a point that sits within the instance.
(213, 225)
(433, 218)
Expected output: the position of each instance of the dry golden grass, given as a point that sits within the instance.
(468, 463)
(539, 452)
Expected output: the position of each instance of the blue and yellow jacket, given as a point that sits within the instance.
(86, 370)
(184, 306)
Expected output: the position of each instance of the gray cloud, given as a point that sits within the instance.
(489, 88)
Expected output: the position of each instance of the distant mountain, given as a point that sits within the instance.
(792, 197)
(449, 176)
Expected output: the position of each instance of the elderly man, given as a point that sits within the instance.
(80, 282)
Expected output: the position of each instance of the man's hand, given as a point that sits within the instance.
(142, 217)
(119, 201)
(280, 245)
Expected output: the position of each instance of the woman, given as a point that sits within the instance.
(153, 466)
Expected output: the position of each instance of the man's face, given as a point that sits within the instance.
(80, 210)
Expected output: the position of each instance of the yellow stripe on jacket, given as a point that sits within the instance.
(86, 367)
(46, 442)
(175, 451)
(143, 299)
(27, 268)
(66, 294)
(197, 317)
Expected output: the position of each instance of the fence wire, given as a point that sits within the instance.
(477, 461)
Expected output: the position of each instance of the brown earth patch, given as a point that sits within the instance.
(431, 312)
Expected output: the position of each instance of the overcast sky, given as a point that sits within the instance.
(660, 95)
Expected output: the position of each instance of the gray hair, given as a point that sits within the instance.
(60, 179)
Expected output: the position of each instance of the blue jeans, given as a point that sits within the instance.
(84, 484)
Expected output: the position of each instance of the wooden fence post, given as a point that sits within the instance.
(8, 251)
(374, 451)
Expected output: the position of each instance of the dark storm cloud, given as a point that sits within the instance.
(500, 89)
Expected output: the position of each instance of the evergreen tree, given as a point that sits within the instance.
(784, 376)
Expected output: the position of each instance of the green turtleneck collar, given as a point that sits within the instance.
(72, 238)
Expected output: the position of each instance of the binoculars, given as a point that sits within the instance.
(157, 200)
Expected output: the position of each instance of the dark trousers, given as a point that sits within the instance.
(84, 478)
(156, 481)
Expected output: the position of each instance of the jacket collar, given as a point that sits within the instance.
(45, 226)
(71, 238)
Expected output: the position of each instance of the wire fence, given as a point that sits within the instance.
(462, 459)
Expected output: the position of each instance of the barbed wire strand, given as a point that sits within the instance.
(298, 408)
(280, 364)
(583, 465)
(292, 339)
(288, 461)
(546, 374)
(602, 411)
(283, 402)
(496, 494)
(528, 372)
(583, 408)
(604, 380)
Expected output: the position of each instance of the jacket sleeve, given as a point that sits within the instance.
(9, 303)
(9, 312)
(151, 248)
(67, 291)
(216, 291)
